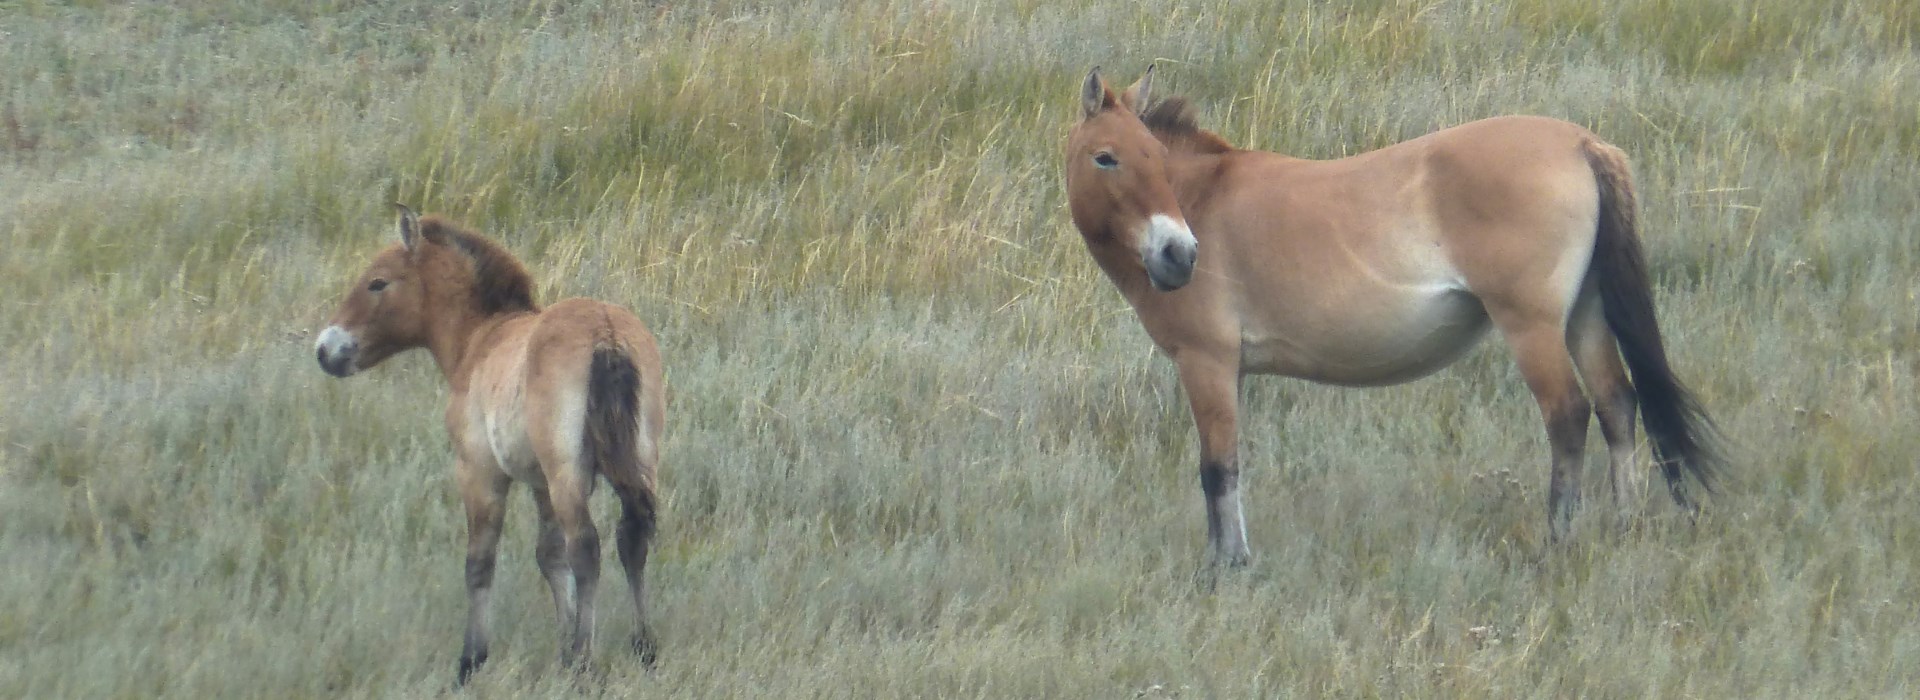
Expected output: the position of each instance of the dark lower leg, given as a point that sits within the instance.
(1616, 414)
(550, 553)
(473, 652)
(484, 505)
(1567, 434)
(636, 529)
(481, 549)
(583, 555)
(1226, 525)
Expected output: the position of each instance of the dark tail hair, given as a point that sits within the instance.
(1685, 441)
(612, 431)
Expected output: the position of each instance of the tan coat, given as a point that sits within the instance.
(1382, 268)
(552, 398)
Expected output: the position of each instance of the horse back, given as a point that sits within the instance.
(1470, 206)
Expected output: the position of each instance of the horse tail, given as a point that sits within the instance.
(614, 432)
(1684, 440)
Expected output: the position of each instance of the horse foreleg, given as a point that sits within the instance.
(485, 497)
(1212, 387)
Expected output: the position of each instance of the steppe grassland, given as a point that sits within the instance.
(917, 445)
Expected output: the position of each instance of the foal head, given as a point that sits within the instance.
(436, 276)
(1117, 185)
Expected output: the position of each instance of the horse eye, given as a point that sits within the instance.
(1105, 160)
(376, 285)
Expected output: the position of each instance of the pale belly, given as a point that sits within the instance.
(1370, 345)
(495, 429)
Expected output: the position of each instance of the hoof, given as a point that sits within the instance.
(644, 647)
(467, 666)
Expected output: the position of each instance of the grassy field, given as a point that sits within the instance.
(917, 444)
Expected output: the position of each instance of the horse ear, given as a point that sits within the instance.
(1140, 95)
(1094, 96)
(407, 225)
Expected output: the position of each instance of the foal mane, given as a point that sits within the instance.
(500, 283)
(1175, 121)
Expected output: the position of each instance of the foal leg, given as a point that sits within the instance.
(580, 546)
(633, 537)
(550, 552)
(1540, 347)
(484, 493)
(1212, 386)
(1596, 355)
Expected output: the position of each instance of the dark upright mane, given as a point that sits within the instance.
(500, 283)
(1174, 119)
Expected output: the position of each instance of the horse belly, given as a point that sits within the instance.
(1376, 347)
(512, 447)
(496, 430)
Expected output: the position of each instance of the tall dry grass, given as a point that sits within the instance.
(917, 446)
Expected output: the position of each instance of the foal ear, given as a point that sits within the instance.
(1094, 96)
(1139, 96)
(407, 224)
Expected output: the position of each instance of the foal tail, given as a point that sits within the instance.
(613, 433)
(1685, 442)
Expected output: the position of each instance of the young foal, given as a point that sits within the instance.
(552, 398)
(1382, 268)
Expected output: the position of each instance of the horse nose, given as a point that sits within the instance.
(1180, 254)
(336, 365)
(1171, 267)
(335, 351)
(1168, 250)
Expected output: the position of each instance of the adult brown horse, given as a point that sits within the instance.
(553, 398)
(1381, 268)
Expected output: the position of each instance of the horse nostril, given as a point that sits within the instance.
(336, 364)
(1178, 255)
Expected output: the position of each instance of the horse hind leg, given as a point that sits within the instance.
(1598, 359)
(568, 546)
(622, 438)
(633, 537)
(485, 499)
(1540, 348)
(580, 548)
(550, 553)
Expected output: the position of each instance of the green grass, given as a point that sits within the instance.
(917, 445)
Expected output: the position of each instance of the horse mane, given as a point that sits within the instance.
(500, 283)
(1175, 120)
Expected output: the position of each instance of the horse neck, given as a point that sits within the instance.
(1193, 174)
(457, 339)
